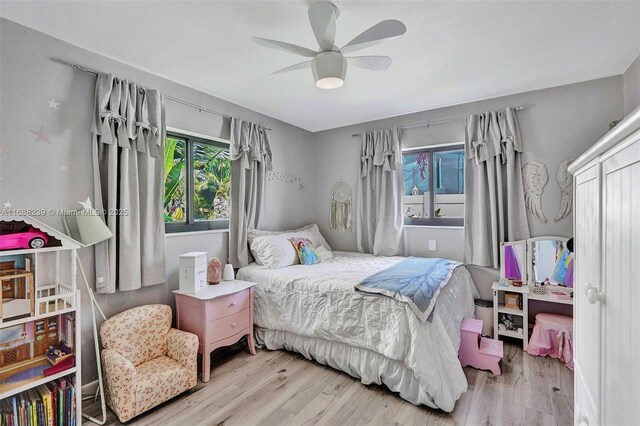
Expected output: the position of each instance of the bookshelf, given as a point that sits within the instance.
(40, 347)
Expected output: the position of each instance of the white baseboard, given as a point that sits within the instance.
(90, 388)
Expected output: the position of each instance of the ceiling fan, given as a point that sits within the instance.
(329, 65)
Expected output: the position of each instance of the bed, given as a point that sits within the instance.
(314, 310)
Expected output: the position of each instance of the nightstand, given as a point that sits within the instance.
(219, 315)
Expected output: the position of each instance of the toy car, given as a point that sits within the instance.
(31, 239)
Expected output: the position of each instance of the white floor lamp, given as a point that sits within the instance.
(92, 231)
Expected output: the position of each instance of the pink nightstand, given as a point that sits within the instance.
(219, 315)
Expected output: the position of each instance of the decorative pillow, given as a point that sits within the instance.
(306, 250)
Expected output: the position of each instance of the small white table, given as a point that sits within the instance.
(219, 315)
(527, 295)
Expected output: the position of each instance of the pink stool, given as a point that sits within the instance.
(553, 336)
(478, 352)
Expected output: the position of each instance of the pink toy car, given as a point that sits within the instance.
(31, 239)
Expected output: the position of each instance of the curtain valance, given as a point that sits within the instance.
(492, 134)
(128, 115)
(249, 142)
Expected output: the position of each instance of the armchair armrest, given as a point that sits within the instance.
(119, 375)
(183, 347)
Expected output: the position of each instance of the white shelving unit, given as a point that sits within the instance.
(499, 308)
(55, 295)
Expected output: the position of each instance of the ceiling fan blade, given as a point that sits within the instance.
(381, 31)
(300, 66)
(285, 47)
(323, 16)
(374, 63)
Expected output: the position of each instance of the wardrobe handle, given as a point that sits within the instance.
(592, 293)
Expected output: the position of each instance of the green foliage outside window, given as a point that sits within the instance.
(210, 178)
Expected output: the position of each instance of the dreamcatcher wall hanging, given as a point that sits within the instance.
(341, 207)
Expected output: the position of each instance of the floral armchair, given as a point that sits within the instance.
(145, 362)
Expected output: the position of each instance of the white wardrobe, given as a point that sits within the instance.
(607, 278)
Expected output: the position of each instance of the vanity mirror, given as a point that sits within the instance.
(550, 261)
(513, 258)
(537, 260)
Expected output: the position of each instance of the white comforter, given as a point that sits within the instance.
(319, 301)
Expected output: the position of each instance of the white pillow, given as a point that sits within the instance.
(273, 251)
(309, 231)
(323, 254)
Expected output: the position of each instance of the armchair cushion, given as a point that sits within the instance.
(159, 380)
(138, 334)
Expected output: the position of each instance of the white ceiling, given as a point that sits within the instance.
(453, 52)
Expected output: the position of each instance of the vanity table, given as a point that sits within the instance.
(527, 295)
(531, 262)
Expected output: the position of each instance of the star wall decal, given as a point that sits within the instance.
(8, 205)
(86, 204)
(53, 104)
(5, 149)
(63, 168)
(42, 135)
(301, 186)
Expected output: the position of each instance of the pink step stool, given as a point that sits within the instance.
(477, 351)
(553, 336)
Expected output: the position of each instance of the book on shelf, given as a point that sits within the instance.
(51, 404)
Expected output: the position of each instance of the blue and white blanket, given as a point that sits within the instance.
(416, 281)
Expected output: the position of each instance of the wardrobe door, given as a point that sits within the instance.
(621, 345)
(587, 344)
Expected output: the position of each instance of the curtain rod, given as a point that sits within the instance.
(446, 120)
(170, 98)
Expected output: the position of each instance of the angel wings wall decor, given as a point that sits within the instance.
(565, 180)
(534, 179)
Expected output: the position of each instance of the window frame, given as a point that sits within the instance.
(432, 220)
(190, 224)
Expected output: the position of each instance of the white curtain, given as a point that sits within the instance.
(379, 219)
(128, 144)
(494, 197)
(250, 153)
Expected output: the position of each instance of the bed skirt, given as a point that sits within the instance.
(370, 367)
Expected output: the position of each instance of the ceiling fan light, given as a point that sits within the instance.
(329, 70)
(329, 83)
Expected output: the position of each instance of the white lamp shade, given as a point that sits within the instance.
(329, 70)
(91, 227)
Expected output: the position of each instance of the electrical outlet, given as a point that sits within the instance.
(432, 245)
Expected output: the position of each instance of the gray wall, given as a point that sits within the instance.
(559, 123)
(34, 69)
(631, 87)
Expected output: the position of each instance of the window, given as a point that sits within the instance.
(434, 185)
(197, 190)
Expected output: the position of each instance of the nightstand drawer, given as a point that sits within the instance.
(226, 327)
(224, 306)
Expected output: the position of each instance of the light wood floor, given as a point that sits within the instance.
(278, 388)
